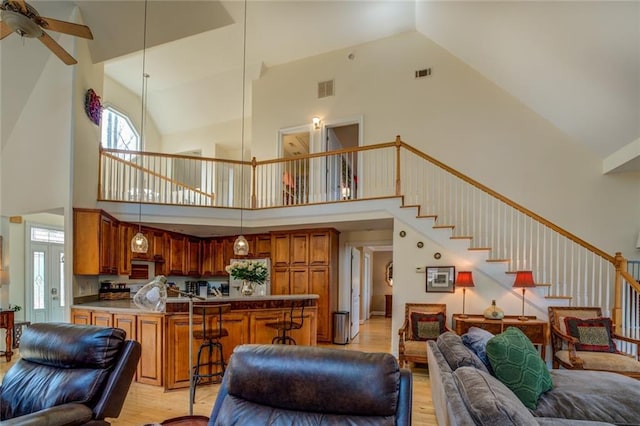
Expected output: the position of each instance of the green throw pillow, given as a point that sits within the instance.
(517, 364)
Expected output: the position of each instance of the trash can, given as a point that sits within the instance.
(341, 327)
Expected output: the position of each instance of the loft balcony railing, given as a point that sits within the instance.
(570, 267)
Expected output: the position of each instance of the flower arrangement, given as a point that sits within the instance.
(249, 270)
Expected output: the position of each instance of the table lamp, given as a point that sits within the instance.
(523, 280)
(464, 280)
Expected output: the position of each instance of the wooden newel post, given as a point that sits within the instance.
(398, 183)
(253, 182)
(620, 264)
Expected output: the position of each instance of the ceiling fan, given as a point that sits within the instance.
(23, 19)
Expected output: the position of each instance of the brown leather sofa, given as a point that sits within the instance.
(68, 374)
(284, 384)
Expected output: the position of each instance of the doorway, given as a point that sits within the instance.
(342, 169)
(294, 146)
(45, 289)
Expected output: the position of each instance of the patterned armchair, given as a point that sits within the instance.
(422, 322)
(581, 339)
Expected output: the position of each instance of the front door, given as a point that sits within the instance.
(45, 275)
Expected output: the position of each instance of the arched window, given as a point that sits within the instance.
(118, 131)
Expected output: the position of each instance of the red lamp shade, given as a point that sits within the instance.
(524, 279)
(464, 279)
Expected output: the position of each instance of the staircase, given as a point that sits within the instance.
(450, 207)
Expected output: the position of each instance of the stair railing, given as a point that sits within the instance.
(508, 232)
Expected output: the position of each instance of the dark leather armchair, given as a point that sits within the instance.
(68, 374)
(284, 384)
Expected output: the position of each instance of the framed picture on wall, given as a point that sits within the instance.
(440, 279)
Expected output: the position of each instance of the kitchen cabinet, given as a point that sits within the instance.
(81, 316)
(177, 254)
(280, 280)
(280, 248)
(150, 334)
(95, 243)
(236, 323)
(157, 245)
(125, 233)
(319, 248)
(319, 277)
(299, 249)
(208, 257)
(128, 323)
(193, 257)
(299, 280)
(103, 319)
(263, 245)
(306, 261)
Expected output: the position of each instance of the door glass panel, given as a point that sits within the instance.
(38, 279)
(61, 275)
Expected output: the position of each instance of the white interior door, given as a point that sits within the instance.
(355, 292)
(45, 275)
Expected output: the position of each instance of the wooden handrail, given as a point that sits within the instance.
(151, 173)
(328, 153)
(511, 203)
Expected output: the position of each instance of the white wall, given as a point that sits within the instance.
(460, 118)
(409, 286)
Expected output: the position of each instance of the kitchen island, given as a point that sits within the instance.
(165, 336)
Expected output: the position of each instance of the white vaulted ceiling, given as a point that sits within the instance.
(577, 64)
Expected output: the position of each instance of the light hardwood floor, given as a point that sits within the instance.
(148, 404)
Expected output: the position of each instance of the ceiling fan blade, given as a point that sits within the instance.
(67, 28)
(21, 4)
(57, 49)
(5, 30)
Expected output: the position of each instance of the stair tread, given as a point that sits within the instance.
(498, 260)
(479, 248)
(461, 237)
(559, 297)
(443, 226)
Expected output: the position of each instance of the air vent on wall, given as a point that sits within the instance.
(426, 72)
(325, 88)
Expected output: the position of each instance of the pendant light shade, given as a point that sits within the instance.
(241, 246)
(139, 243)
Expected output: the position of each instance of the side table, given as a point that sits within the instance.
(6, 322)
(536, 330)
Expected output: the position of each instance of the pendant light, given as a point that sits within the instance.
(139, 243)
(241, 245)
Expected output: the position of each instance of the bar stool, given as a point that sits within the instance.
(210, 333)
(292, 320)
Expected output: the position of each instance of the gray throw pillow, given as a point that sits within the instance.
(476, 339)
(489, 401)
(456, 353)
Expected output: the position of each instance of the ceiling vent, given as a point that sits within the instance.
(325, 88)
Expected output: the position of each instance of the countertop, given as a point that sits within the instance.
(127, 305)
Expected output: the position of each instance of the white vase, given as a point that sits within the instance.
(247, 288)
(493, 312)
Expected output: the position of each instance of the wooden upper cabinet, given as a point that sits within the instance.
(280, 249)
(219, 254)
(157, 244)
(193, 257)
(208, 257)
(95, 243)
(177, 254)
(108, 245)
(299, 251)
(263, 245)
(320, 248)
(125, 233)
